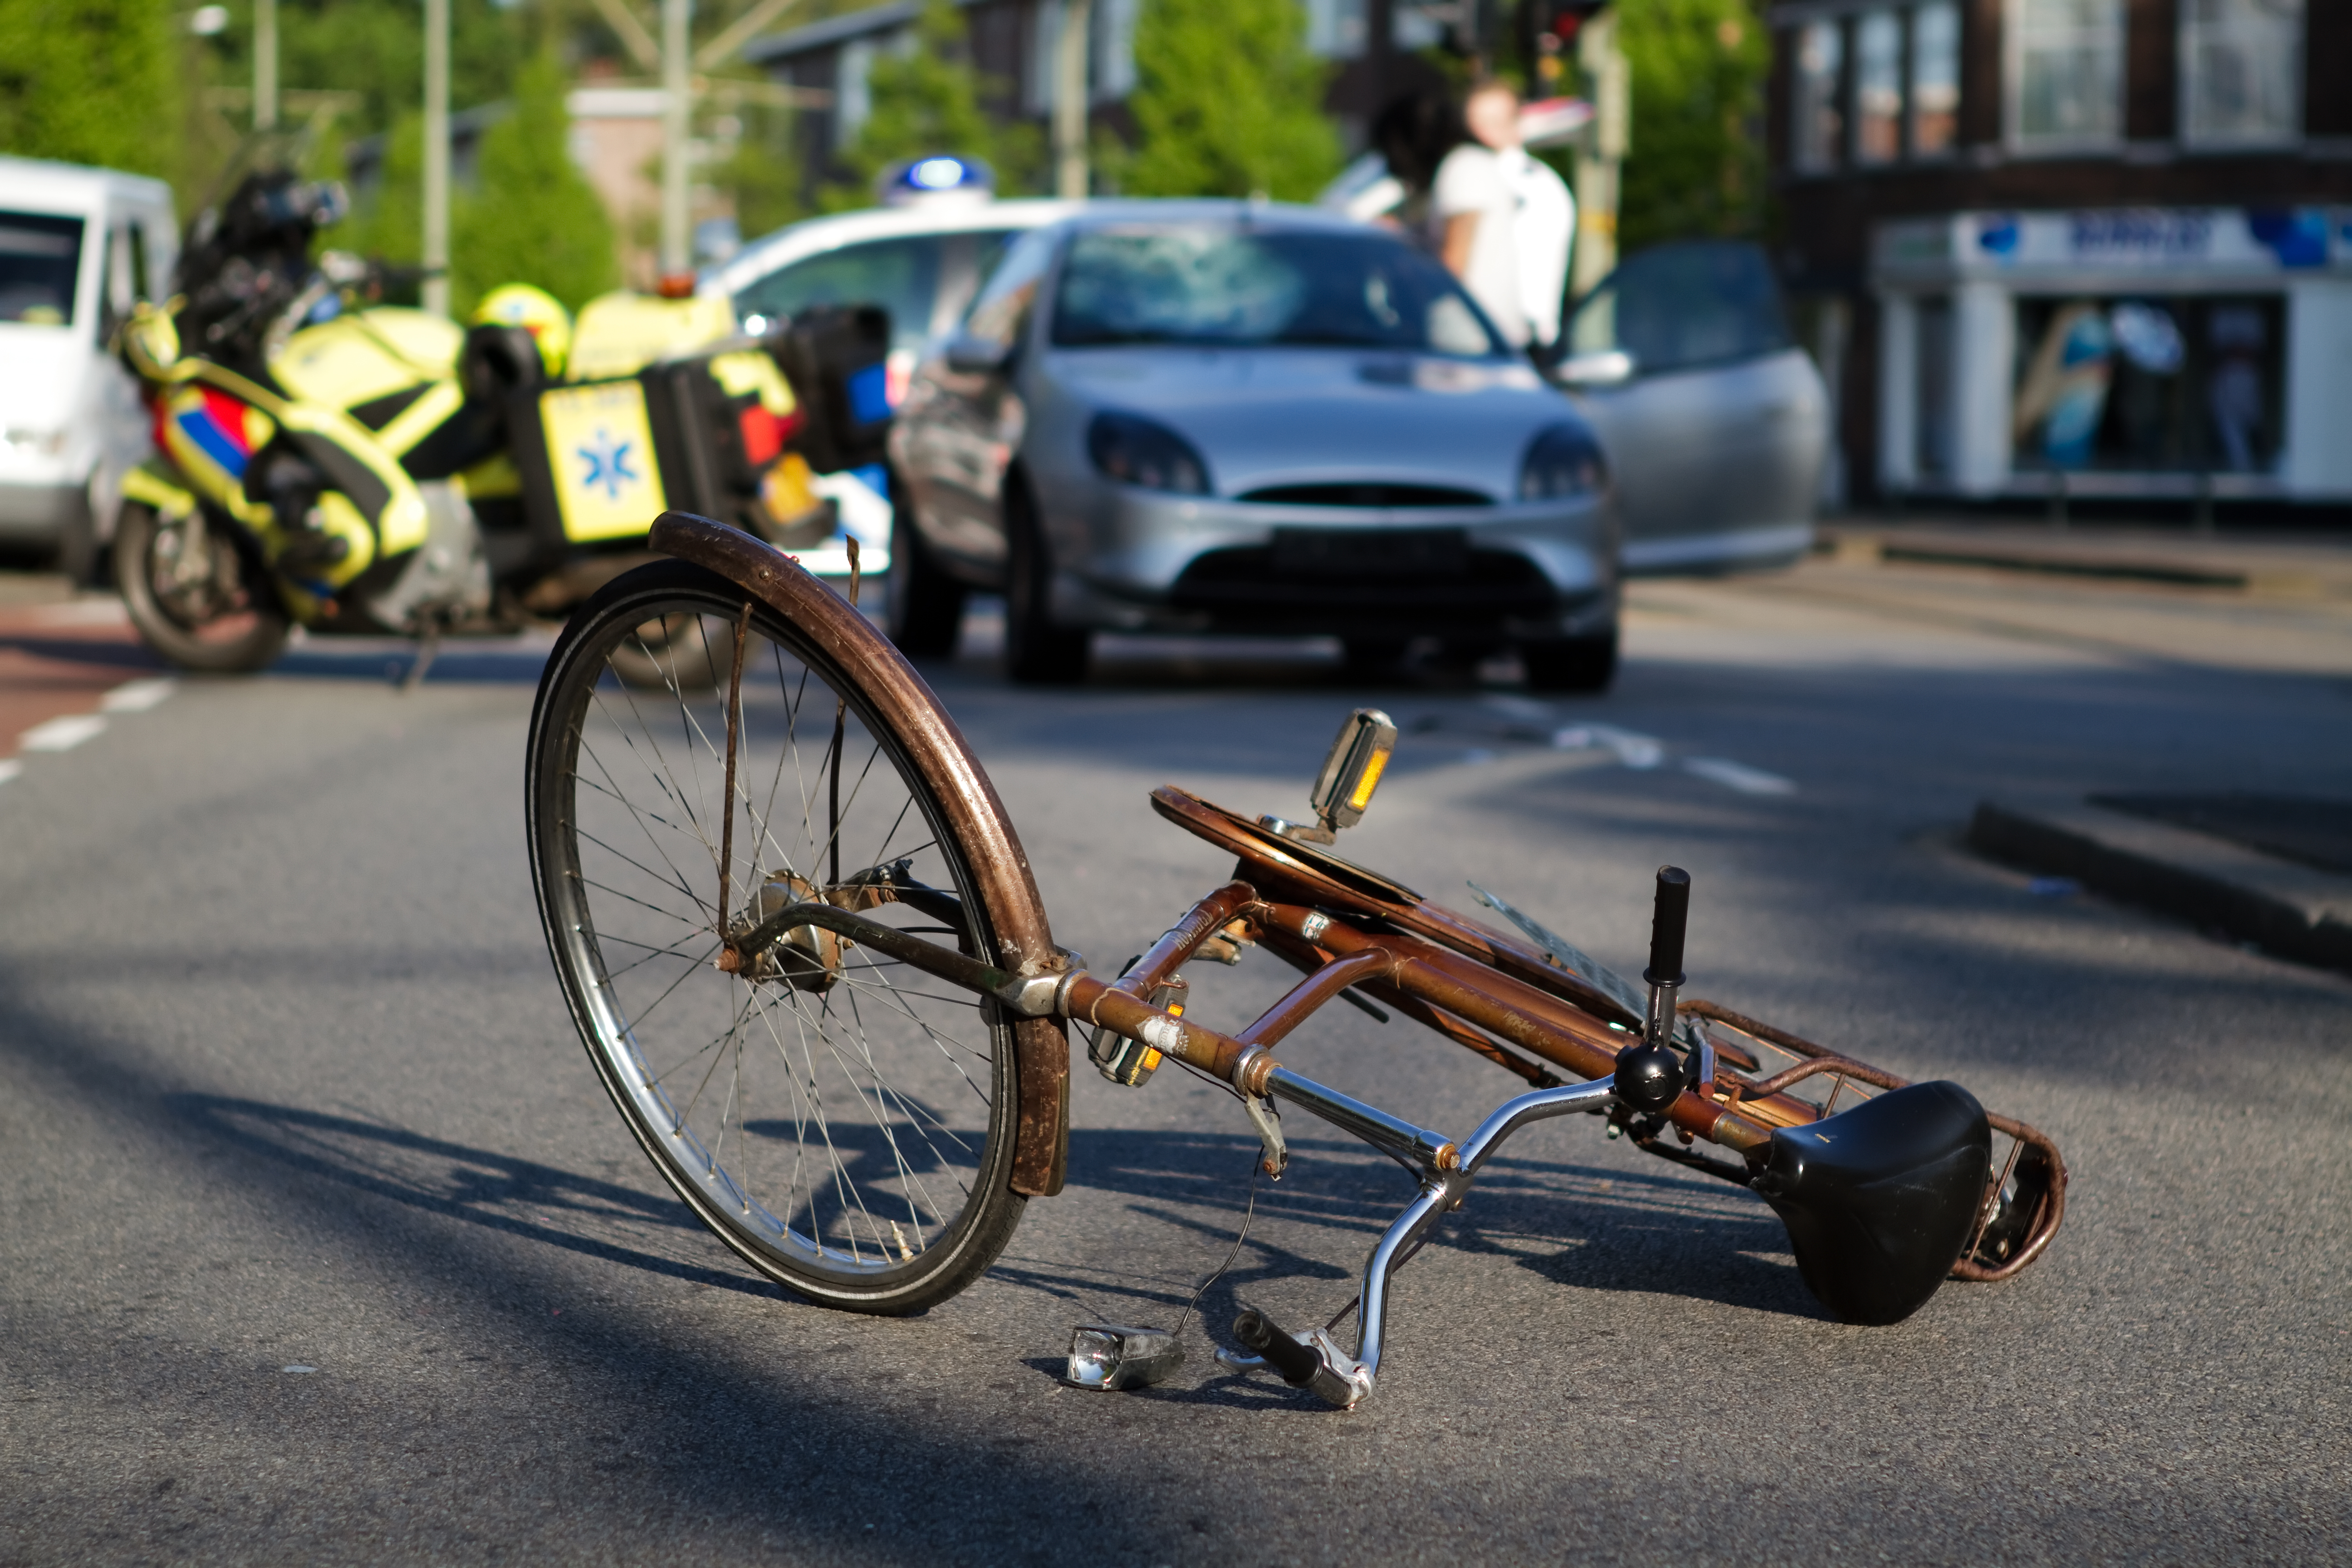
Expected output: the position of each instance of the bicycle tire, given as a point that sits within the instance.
(890, 1107)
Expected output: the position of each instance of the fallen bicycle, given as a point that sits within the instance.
(803, 945)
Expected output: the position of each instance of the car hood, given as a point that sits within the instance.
(1268, 416)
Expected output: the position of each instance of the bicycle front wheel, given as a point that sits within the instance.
(845, 1123)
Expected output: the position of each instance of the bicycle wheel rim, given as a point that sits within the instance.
(854, 1140)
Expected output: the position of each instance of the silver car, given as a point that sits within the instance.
(1224, 416)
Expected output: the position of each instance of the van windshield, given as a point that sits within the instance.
(40, 256)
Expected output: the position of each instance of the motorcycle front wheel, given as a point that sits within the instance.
(194, 594)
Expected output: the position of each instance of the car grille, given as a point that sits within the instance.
(1341, 580)
(1367, 496)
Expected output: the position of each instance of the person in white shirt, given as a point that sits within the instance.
(1503, 221)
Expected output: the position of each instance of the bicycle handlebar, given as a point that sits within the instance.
(1668, 917)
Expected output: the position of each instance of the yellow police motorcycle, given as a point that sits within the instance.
(356, 468)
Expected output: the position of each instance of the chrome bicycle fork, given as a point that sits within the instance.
(1313, 1360)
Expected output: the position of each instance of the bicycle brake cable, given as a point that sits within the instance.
(1248, 1212)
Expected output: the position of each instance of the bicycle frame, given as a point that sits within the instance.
(1536, 1008)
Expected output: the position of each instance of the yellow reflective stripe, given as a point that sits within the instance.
(144, 485)
(421, 418)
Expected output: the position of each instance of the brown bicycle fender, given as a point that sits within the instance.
(1041, 1046)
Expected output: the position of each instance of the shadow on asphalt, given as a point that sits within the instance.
(520, 1197)
(676, 1434)
(91, 651)
(1576, 1224)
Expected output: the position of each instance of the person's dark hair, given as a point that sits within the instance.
(1415, 134)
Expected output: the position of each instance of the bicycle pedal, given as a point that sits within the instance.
(1110, 1356)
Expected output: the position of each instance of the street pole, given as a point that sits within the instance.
(677, 102)
(1070, 91)
(437, 156)
(1610, 84)
(265, 64)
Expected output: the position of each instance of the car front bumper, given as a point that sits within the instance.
(1135, 559)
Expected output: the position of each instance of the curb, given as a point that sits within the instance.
(2307, 572)
(2294, 911)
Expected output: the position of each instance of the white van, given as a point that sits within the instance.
(77, 246)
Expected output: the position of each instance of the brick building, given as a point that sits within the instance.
(2094, 248)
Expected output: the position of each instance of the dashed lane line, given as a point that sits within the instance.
(1738, 776)
(67, 730)
(138, 696)
(1639, 752)
(62, 734)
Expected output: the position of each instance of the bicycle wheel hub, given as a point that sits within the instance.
(808, 957)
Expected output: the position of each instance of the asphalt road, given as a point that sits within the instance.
(320, 1243)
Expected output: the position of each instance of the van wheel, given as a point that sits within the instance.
(1036, 651)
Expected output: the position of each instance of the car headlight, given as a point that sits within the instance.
(1137, 452)
(1562, 461)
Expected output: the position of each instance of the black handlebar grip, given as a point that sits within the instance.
(1297, 1363)
(1668, 918)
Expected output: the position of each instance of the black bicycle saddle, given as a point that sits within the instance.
(1880, 1200)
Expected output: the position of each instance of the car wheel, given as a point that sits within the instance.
(1374, 659)
(1036, 651)
(926, 610)
(1571, 664)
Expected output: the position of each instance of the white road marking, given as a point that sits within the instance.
(1525, 708)
(1634, 751)
(10, 769)
(1738, 776)
(138, 696)
(82, 613)
(62, 734)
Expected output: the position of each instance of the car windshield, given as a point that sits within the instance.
(1221, 285)
(39, 257)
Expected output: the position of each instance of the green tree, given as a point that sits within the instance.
(91, 81)
(1228, 103)
(1697, 165)
(390, 225)
(929, 99)
(762, 175)
(531, 217)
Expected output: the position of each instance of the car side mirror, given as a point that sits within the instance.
(968, 356)
(1602, 367)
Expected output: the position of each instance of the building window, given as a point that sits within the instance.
(1417, 25)
(852, 100)
(2241, 71)
(1115, 48)
(2150, 383)
(1935, 80)
(1818, 127)
(2065, 73)
(1878, 87)
(1334, 29)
